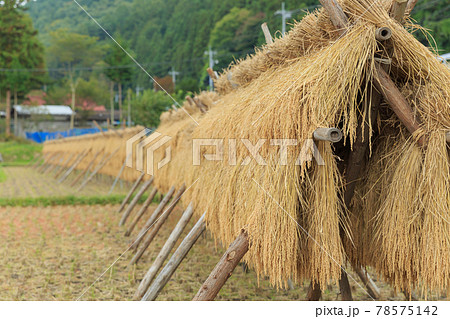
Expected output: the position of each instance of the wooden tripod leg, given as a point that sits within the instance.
(135, 201)
(156, 227)
(153, 218)
(314, 292)
(224, 268)
(164, 253)
(130, 193)
(141, 212)
(372, 289)
(88, 167)
(175, 261)
(344, 287)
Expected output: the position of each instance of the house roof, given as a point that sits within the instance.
(44, 109)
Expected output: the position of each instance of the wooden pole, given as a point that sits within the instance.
(372, 289)
(164, 253)
(38, 160)
(47, 162)
(314, 292)
(224, 268)
(99, 128)
(344, 287)
(66, 163)
(266, 31)
(117, 177)
(211, 73)
(153, 218)
(130, 193)
(410, 6)
(175, 261)
(87, 167)
(97, 169)
(398, 9)
(51, 166)
(74, 166)
(141, 212)
(156, 227)
(47, 157)
(396, 101)
(332, 135)
(200, 105)
(337, 17)
(135, 200)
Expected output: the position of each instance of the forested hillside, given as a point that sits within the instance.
(176, 33)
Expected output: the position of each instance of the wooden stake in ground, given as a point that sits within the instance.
(87, 167)
(44, 166)
(66, 163)
(118, 176)
(224, 268)
(157, 226)
(164, 253)
(141, 212)
(50, 167)
(314, 292)
(175, 261)
(373, 290)
(135, 201)
(97, 169)
(74, 166)
(344, 287)
(130, 193)
(153, 218)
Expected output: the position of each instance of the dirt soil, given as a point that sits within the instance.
(56, 253)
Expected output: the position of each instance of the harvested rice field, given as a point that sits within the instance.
(55, 253)
(25, 182)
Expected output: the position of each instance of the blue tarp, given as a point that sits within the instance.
(41, 137)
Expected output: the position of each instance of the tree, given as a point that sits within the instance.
(148, 107)
(75, 54)
(20, 52)
(120, 70)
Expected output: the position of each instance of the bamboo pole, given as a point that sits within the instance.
(371, 287)
(332, 135)
(97, 169)
(74, 166)
(87, 167)
(164, 253)
(99, 128)
(141, 212)
(130, 193)
(135, 200)
(153, 218)
(157, 226)
(211, 73)
(224, 268)
(175, 261)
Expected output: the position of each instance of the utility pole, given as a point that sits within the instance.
(212, 62)
(285, 14)
(129, 107)
(174, 74)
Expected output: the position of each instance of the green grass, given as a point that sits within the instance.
(65, 200)
(17, 152)
(2, 175)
